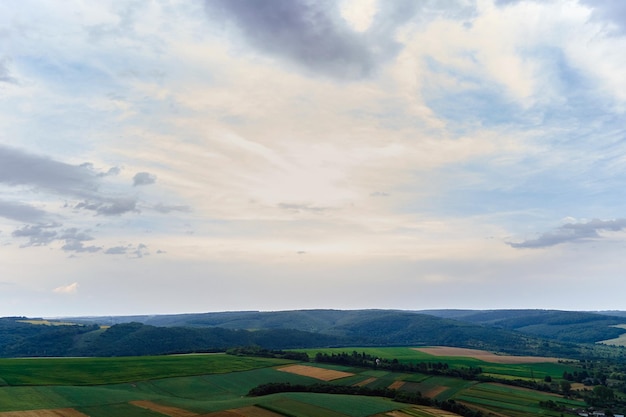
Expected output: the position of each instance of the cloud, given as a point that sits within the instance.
(572, 232)
(613, 11)
(165, 208)
(143, 178)
(74, 239)
(21, 212)
(116, 250)
(67, 289)
(110, 206)
(38, 235)
(302, 207)
(111, 172)
(5, 74)
(45, 234)
(139, 251)
(21, 168)
(310, 34)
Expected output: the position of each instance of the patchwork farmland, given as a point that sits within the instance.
(217, 385)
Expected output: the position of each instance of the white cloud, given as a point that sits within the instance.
(359, 13)
(67, 289)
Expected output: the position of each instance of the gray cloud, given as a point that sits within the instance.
(110, 206)
(143, 178)
(5, 74)
(572, 232)
(165, 208)
(38, 235)
(82, 181)
(116, 250)
(302, 207)
(21, 212)
(21, 168)
(44, 234)
(309, 33)
(139, 251)
(613, 11)
(78, 246)
(111, 172)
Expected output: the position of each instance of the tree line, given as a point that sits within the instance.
(366, 360)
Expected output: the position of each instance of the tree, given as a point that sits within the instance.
(566, 387)
(603, 393)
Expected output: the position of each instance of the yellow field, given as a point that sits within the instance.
(619, 341)
(313, 372)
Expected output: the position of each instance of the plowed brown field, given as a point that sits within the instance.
(483, 355)
(313, 372)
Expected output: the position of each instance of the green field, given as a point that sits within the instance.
(102, 387)
(511, 401)
(93, 371)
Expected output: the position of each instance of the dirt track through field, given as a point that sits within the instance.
(483, 355)
(313, 372)
(163, 409)
(59, 412)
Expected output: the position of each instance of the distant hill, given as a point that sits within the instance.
(524, 332)
(564, 326)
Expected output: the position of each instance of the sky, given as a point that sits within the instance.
(174, 156)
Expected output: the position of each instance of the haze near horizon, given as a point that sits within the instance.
(172, 157)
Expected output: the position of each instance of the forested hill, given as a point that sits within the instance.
(525, 332)
(565, 326)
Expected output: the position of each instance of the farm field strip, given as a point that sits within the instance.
(252, 411)
(61, 412)
(163, 409)
(396, 385)
(364, 382)
(287, 406)
(95, 371)
(484, 355)
(315, 372)
(418, 411)
(347, 405)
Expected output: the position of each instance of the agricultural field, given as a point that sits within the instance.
(215, 385)
(618, 341)
(507, 367)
